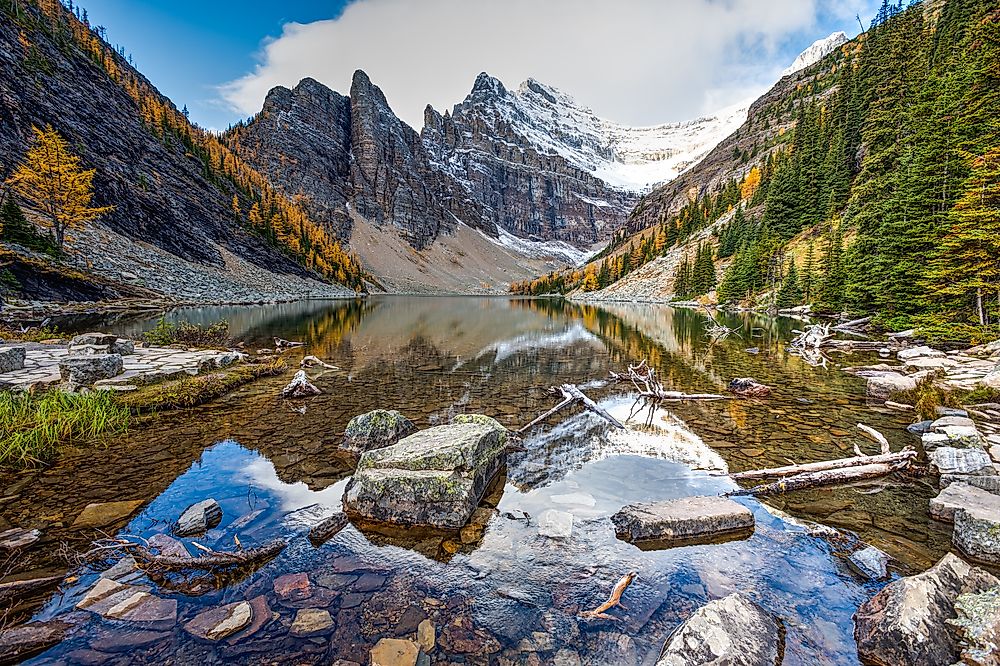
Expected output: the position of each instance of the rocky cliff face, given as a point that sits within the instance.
(484, 144)
(352, 154)
(159, 190)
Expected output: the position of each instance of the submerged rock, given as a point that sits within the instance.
(435, 477)
(222, 622)
(394, 652)
(748, 386)
(300, 387)
(105, 513)
(977, 529)
(905, 622)
(376, 429)
(327, 528)
(555, 524)
(19, 643)
(311, 622)
(732, 630)
(680, 519)
(198, 518)
(16, 538)
(85, 369)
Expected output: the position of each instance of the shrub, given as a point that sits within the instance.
(188, 334)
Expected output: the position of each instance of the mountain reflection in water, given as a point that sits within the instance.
(498, 589)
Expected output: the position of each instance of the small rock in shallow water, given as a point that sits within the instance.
(426, 635)
(104, 514)
(293, 587)
(16, 538)
(311, 622)
(222, 622)
(749, 387)
(870, 562)
(198, 518)
(26, 640)
(394, 652)
(555, 524)
(376, 429)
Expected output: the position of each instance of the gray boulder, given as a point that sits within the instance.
(435, 477)
(918, 352)
(376, 429)
(958, 496)
(101, 343)
(950, 460)
(882, 386)
(11, 359)
(870, 562)
(198, 518)
(733, 631)
(85, 369)
(989, 483)
(682, 519)
(905, 622)
(977, 529)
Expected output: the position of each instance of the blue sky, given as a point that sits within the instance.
(634, 61)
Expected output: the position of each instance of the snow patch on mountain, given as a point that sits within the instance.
(816, 51)
(632, 159)
(537, 249)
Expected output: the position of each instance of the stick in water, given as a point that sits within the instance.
(613, 600)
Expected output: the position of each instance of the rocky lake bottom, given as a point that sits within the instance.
(508, 588)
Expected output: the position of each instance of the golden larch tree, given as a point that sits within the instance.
(52, 179)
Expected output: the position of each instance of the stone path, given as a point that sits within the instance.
(147, 365)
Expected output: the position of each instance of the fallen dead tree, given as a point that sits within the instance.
(573, 395)
(813, 337)
(830, 472)
(651, 391)
(212, 561)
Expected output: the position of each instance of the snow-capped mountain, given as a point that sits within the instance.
(816, 51)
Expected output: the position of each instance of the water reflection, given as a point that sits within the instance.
(488, 589)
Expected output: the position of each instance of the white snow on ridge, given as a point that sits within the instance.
(632, 159)
(558, 250)
(816, 51)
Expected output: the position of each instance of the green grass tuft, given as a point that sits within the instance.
(34, 426)
(927, 397)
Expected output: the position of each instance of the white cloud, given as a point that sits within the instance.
(635, 61)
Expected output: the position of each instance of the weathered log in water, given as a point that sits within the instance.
(829, 477)
(213, 561)
(573, 395)
(905, 455)
(615, 599)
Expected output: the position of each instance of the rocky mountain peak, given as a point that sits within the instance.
(488, 87)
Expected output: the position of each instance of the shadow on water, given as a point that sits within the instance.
(498, 589)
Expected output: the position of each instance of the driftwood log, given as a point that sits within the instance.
(572, 395)
(651, 391)
(828, 477)
(614, 600)
(212, 561)
(904, 456)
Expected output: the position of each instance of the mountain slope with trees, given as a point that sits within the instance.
(876, 179)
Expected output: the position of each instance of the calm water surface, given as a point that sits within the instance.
(498, 591)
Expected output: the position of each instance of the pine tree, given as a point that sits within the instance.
(790, 293)
(966, 273)
(808, 272)
(682, 279)
(52, 179)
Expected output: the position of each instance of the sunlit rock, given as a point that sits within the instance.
(731, 630)
(681, 519)
(905, 622)
(435, 477)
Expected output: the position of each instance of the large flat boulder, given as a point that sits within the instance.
(977, 529)
(905, 622)
(435, 477)
(376, 429)
(959, 496)
(688, 518)
(733, 631)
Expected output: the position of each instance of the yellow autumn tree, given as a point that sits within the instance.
(52, 179)
(750, 183)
